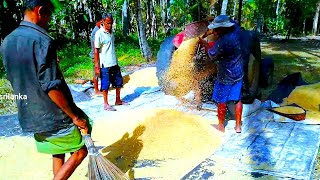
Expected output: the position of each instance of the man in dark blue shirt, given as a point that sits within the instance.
(227, 52)
(30, 60)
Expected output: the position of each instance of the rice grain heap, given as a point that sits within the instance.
(159, 143)
(142, 78)
(156, 143)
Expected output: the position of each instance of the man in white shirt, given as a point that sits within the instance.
(107, 68)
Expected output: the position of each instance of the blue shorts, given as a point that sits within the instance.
(226, 92)
(111, 75)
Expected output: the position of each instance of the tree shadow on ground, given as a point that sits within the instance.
(125, 152)
(292, 57)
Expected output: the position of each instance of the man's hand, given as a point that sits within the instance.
(81, 124)
(97, 70)
(59, 98)
(202, 41)
(209, 32)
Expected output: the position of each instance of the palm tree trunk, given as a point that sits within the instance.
(154, 26)
(239, 12)
(224, 7)
(234, 10)
(315, 20)
(125, 19)
(144, 46)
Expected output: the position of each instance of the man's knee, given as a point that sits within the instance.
(82, 153)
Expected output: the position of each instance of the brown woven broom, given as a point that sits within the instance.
(100, 168)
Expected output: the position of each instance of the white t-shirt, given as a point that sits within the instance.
(107, 53)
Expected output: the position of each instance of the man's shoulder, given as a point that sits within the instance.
(94, 30)
(99, 31)
(29, 33)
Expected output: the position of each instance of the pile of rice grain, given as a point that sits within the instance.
(159, 143)
(142, 78)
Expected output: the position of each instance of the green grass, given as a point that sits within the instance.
(2, 71)
(76, 63)
(7, 106)
(288, 61)
(292, 57)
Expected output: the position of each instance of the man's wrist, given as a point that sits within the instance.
(75, 118)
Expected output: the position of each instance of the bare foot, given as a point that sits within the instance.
(199, 105)
(107, 107)
(238, 129)
(119, 103)
(97, 93)
(219, 127)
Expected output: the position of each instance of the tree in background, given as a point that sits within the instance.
(155, 18)
(125, 18)
(316, 19)
(224, 7)
(144, 46)
(11, 13)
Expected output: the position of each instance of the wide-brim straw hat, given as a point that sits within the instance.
(220, 21)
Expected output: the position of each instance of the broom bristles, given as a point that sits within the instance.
(99, 167)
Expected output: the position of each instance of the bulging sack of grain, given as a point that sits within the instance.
(307, 96)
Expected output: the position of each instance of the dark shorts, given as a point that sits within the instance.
(111, 75)
(226, 92)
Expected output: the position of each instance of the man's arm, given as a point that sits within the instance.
(209, 32)
(50, 80)
(96, 61)
(61, 101)
(204, 43)
(96, 53)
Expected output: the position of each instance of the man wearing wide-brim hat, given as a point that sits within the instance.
(227, 52)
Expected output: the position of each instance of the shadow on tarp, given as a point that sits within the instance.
(125, 152)
(138, 92)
